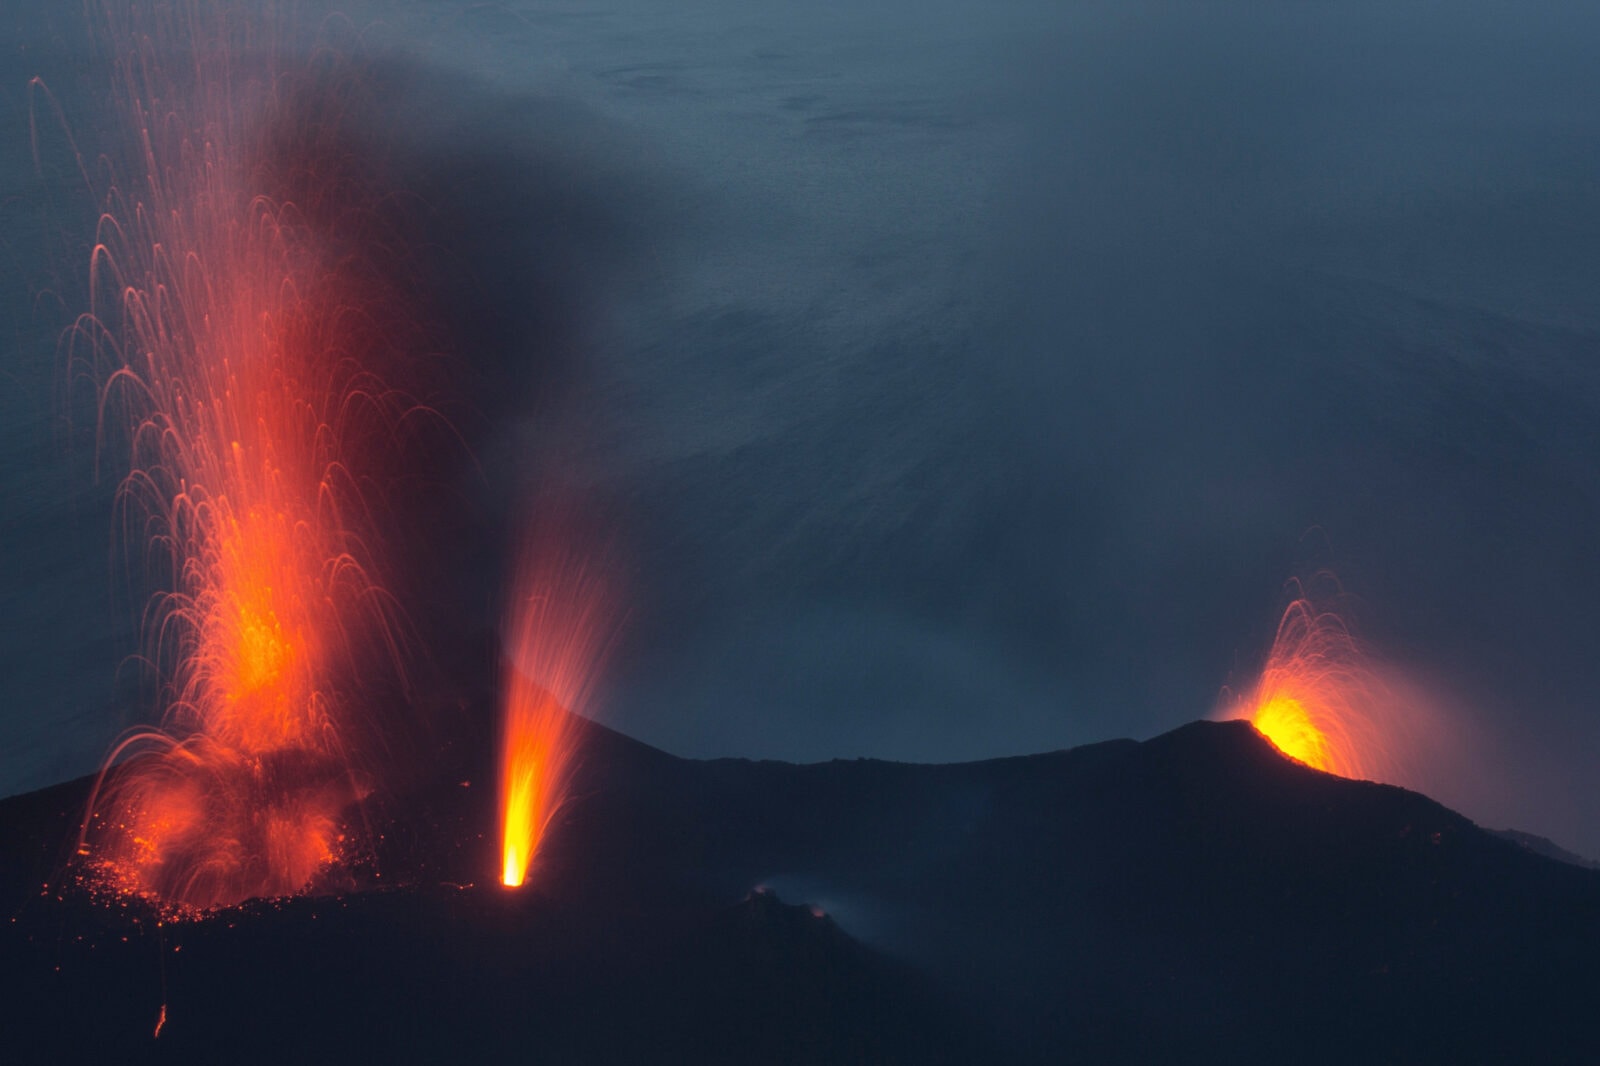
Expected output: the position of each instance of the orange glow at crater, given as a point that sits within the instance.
(557, 625)
(537, 751)
(1321, 701)
(1284, 721)
(238, 344)
(1325, 699)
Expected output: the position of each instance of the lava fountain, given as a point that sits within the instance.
(557, 628)
(239, 342)
(1321, 700)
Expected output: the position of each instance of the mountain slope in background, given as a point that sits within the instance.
(1196, 897)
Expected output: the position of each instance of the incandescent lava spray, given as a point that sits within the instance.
(1324, 700)
(239, 336)
(557, 628)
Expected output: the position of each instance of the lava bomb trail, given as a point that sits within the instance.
(558, 626)
(1324, 698)
(243, 354)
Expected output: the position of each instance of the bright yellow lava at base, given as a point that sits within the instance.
(536, 752)
(557, 622)
(519, 830)
(1283, 720)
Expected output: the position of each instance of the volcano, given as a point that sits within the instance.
(1195, 897)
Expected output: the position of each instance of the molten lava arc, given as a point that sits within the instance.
(537, 749)
(1284, 721)
(239, 345)
(1319, 699)
(556, 629)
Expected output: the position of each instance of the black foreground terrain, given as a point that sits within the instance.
(1193, 898)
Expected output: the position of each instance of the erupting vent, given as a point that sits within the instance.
(556, 628)
(240, 346)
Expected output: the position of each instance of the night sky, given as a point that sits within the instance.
(962, 379)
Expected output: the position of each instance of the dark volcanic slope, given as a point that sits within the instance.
(1193, 898)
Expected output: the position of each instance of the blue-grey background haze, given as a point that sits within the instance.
(979, 372)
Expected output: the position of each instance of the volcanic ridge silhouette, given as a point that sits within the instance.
(1197, 897)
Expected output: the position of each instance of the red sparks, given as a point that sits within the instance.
(1321, 699)
(238, 342)
(556, 629)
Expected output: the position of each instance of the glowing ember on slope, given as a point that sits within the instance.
(556, 629)
(236, 340)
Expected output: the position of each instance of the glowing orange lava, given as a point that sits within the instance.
(236, 341)
(556, 628)
(537, 748)
(1319, 700)
(1284, 721)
